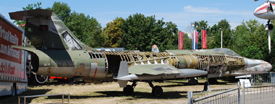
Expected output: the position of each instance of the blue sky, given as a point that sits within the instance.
(180, 12)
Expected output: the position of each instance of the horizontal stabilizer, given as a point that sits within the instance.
(23, 15)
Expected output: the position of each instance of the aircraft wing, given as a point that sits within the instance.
(153, 69)
(147, 72)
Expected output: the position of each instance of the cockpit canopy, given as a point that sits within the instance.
(225, 51)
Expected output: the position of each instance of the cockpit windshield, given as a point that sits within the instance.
(226, 51)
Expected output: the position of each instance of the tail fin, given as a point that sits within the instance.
(47, 30)
(123, 71)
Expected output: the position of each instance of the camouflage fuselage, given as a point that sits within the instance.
(92, 65)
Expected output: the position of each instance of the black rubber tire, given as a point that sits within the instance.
(40, 79)
(193, 82)
(128, 90)
(213, 81)
(157, 91)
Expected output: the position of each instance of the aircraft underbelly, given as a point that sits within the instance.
(67, 72)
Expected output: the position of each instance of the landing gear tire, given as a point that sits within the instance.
(213, 81)
(157, 91)
(128, 90)
(193, 81)
(41, 79)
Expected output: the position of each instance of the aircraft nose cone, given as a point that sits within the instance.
(251, 63)
(256, 12)
(266, 66)
(261, 11)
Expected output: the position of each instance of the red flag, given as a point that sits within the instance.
(204, 39)
(197, 37)
(180, 40)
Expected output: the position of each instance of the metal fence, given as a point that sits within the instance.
(216, 96)
(262, 78)
(259, 94)
(260, 91)
(32, 96)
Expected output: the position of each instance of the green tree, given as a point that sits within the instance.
(213, 41)
(113, 33)
(241, 38)
(251, 33)
(215, 33)
(259, 39)
(253, 25)
(187, 42)
(86, 29)
(226, 32)
(201, 25)
(252, 52)
(62, 10)
(140, 33)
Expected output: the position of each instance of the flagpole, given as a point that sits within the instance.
(194, 27)
(194, 40)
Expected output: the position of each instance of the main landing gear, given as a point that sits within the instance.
(129, 89)
(156, 90)
(193, 81)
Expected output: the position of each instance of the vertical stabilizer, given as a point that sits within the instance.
(123, 71)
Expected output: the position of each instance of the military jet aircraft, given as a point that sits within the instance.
(266, 11)
(55, 51)
(253, 66)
